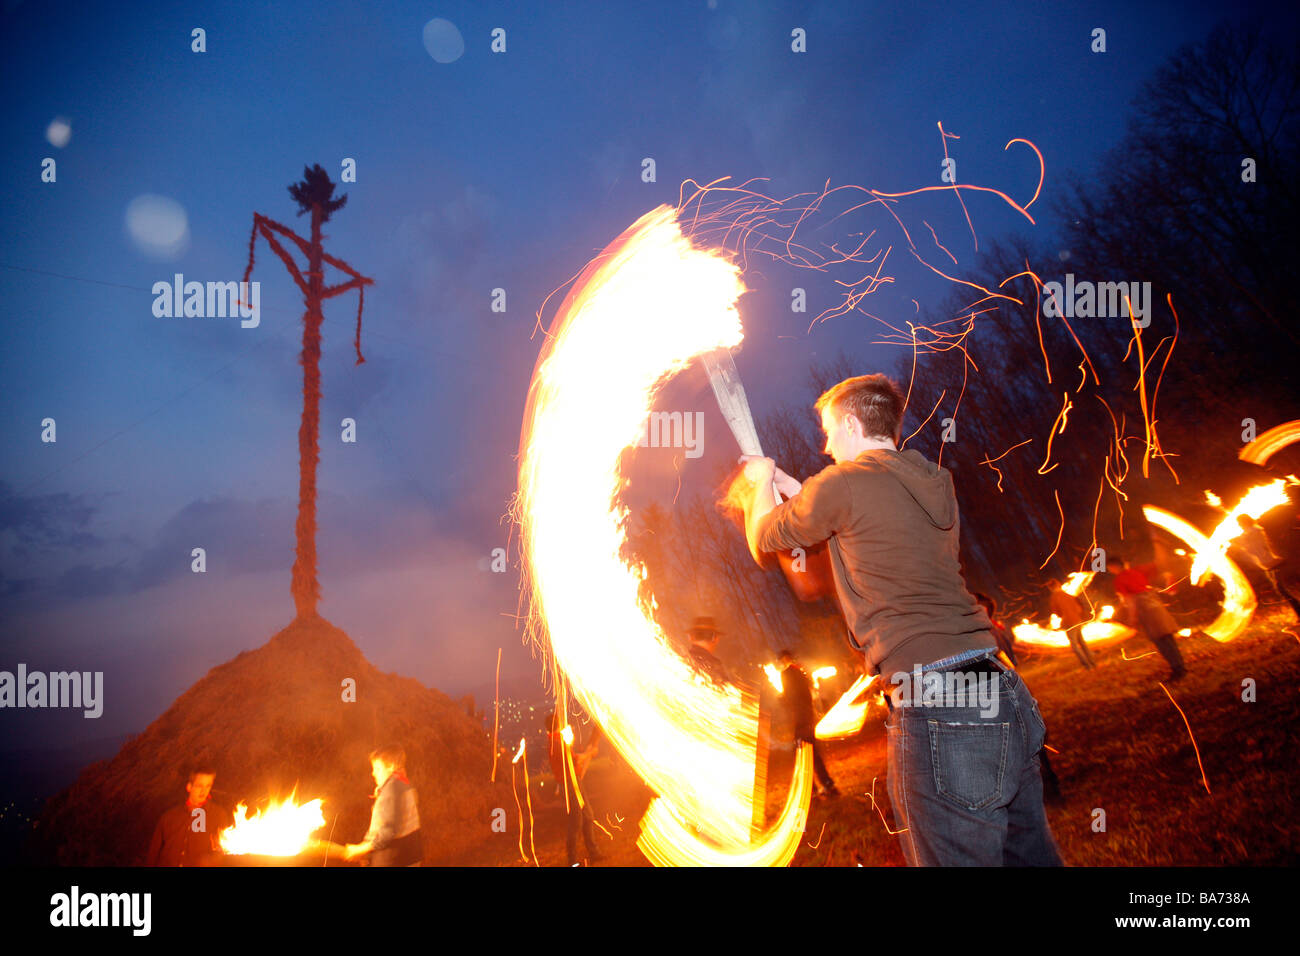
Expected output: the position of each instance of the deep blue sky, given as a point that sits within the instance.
(503, 170)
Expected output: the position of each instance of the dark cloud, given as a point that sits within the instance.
(46, 521)
(392, 526)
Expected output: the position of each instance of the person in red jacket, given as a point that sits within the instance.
(1145, 612)
(188, 834)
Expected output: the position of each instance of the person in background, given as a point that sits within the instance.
(1145, 612)
(704, 636)
(1066, 607)
(394, 837)
(580, 816)
(797, 696)
(188, 834)
(1254, 540)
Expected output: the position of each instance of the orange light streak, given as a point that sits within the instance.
(943, 138)
(1190, 736)
(1265, 446)
(496, 716)
(989, 462)
(1059, 531)
(1062, 418)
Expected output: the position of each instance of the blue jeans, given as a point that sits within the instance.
(965, 783)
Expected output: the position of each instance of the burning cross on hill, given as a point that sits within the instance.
(313, 194)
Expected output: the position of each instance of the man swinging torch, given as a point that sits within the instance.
(964, 782)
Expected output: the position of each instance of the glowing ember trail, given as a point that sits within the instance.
(1270, 443)
(284, 828)
(639, 314)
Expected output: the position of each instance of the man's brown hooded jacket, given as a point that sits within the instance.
(891, 519)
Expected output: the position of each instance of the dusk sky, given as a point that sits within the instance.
(495, 170)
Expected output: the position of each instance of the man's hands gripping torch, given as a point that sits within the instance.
(770, 483)
(810, 576)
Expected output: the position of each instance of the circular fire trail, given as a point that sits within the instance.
(639, 314)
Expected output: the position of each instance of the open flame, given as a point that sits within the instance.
(1210, 553)
(1096, 631)
(284, 828)
(821, 674)
(774, 677)
(1076, 581)
(1255, 502)
(640, 313)
(849, 713)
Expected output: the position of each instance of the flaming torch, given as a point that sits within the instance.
(1096, 631)
(774, 677)
(1210, 552)
(639, 314)
(1256, 501)
(849, 713)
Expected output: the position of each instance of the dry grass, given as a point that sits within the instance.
(1123, 747)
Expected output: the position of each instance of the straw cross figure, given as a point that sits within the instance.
(314, 194)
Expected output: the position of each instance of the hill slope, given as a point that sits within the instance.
(271, 718)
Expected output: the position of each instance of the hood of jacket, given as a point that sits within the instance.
(928, 484)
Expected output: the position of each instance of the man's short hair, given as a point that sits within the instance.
(784, 654)
(200, 770)
(393, 756)
(874, 400)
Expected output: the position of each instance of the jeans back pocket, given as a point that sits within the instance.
(969, 761)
